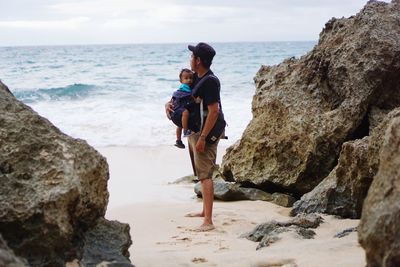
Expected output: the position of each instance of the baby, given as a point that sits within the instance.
(181, 98)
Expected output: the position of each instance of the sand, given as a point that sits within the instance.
(162, 236)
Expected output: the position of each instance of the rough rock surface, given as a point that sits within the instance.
(107, 243)
(305, 109)
(379, 229)
(8, 258)
(53, 187)
(268, 233)
(344, 190)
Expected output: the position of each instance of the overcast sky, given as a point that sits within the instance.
(49, 22)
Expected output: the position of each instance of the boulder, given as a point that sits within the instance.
(379, 229)
(53, 187)
(343, 192)
(305, 109)
(107, 244)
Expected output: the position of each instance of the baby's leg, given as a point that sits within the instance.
(178, 133)
(185, 119)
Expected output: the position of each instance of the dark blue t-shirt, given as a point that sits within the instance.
(208, 90)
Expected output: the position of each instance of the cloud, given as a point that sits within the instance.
(68, 24)
(130, 21)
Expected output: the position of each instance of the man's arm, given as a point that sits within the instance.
(209, 123)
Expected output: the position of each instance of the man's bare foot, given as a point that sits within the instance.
(205, 227)
(195, 214)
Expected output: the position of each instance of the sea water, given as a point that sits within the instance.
(114, 95)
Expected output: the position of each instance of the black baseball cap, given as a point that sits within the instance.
(203, 51)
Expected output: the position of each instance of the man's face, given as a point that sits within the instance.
(194, 62)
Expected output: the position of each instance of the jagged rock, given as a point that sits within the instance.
(379, 229)
(53, 187)
(8, 258)
(231, 192)
(305, 109)
(107, 244)
(344, 190)
(377, 138)
(268, 233)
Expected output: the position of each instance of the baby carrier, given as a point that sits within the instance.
(181, 100)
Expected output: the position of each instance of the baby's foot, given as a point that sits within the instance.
(179, 144)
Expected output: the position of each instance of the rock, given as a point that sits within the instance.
(53, 187)
(343, 192)
(268, 233)
(379, 229)
(107, 244)
(188, 179)
(377, 139)
(8, 258)
(283, 200)
(305, 109)
(231, 192)
(346, 232)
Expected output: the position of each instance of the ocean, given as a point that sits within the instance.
(114, 95)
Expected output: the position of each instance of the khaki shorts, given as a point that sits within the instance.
(204, 162)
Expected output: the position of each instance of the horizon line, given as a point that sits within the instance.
(150, 43)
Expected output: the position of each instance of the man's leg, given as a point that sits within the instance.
(208, 200)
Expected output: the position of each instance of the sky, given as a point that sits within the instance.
(58, 22)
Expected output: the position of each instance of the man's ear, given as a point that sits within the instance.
(198, 61)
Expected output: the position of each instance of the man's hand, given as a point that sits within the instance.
(200, 145)
(169, 108)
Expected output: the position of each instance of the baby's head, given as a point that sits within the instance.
(186, 76)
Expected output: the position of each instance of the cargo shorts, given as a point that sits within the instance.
(204, 161)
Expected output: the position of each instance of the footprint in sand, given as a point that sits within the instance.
(184, 239)
(199, 260)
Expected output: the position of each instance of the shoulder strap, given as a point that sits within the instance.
(202, 113)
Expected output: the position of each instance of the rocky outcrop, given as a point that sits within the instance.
(53, 187)
(379, 229)
(305, 109)
(344, 190)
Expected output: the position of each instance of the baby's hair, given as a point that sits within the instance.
(182, 71)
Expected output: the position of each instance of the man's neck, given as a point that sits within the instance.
(201, 72)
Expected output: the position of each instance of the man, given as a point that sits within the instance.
(206, 88)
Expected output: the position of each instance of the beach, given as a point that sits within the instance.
(141, 195)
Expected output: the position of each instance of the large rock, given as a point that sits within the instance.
(53, 187)
(305, 109)
(379, 229)
(344, 190)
